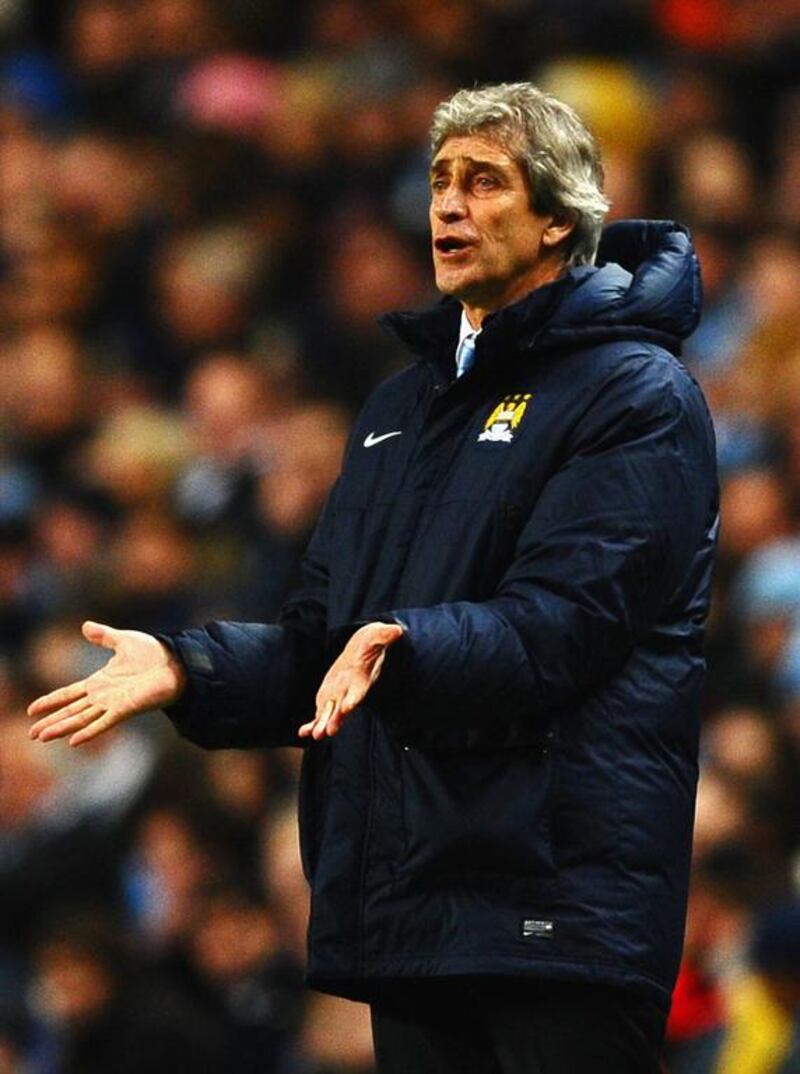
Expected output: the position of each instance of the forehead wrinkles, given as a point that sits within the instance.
(509, 142)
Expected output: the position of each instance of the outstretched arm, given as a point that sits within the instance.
(227, 684)
(141, 675)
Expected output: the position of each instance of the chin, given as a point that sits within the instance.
(456, 288)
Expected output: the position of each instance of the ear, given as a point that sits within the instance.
(560, 227)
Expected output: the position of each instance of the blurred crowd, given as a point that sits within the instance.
(204, 205)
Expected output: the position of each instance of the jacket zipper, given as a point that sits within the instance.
(362, 885)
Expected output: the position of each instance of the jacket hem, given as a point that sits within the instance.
(380, 972)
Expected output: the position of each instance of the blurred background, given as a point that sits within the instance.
(204, 204)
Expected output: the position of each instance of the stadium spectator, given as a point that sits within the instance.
(95, 1010)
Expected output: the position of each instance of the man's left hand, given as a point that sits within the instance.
(350, 678)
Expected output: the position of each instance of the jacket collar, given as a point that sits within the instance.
(433, 333)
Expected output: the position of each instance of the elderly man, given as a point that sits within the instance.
(513, 568)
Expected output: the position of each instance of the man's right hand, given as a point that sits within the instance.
(141, 675)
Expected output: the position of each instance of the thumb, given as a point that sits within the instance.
(100, 634)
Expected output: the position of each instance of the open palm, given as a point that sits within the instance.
(140, 676)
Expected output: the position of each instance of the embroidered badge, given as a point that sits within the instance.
(502, 424)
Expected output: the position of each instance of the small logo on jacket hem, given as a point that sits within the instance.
(370, 440)
(533, 927)
(502, 424)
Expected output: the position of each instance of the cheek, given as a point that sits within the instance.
(495, 239)
(506, 232)
(521, 246)
(502, 247)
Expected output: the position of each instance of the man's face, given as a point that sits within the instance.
(489, 246)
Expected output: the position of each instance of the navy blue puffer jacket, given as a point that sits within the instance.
(516, 796)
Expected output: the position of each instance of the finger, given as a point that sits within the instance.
(334, 725)
(35, 731)
(65, 695)
(100, 634)
(71, 724)
(96, 727)
(308, 728)
(321, 723)
(305, 730)
(353, 697)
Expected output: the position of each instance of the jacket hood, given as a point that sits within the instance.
(645, 286)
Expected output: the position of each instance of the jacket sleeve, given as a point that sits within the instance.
(253, 684)
(613, 534)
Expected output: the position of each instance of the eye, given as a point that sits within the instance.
(484, 182)
(438, 184)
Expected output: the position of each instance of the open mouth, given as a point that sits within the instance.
(450, 244)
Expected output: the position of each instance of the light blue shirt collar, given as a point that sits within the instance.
(465, 351)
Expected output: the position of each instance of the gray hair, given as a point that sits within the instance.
(551, 142)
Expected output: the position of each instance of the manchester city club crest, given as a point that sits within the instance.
(502, 424)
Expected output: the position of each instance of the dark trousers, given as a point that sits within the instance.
(479, 1026)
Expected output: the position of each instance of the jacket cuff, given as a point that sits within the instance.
(192, 714)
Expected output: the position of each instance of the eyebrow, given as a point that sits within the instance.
(440, 164)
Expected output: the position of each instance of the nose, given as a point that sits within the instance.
(450, 204)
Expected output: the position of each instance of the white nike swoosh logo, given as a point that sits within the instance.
(371, 439)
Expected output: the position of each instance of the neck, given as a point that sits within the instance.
(481, 307)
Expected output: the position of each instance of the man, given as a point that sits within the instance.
(513, 568)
